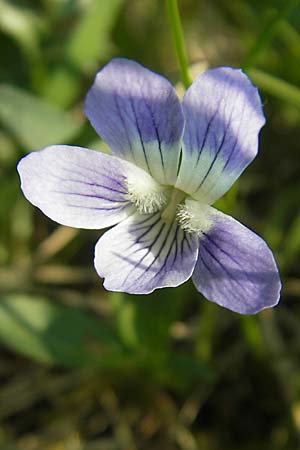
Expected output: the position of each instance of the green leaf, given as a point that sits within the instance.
(88, 42)
(61, 87)
(55, 334)
(182, 370)
(144, 320)
(23, 25)
(90, 39)
(33, 122)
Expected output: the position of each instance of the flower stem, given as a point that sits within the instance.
(175, 24)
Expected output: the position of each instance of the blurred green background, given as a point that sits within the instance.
(84, 369)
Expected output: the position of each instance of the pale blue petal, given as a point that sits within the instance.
(235, 267)
(138, 114)
(143, 253)
(223, 115)
(77, 187)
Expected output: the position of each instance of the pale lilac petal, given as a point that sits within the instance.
(223, 114)
(235, 267)
(76, 187)
(143, 253)
(138, 114)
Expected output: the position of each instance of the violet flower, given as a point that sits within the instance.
(171, 162)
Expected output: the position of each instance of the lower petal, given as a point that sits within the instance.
(235, 267)
(143, 253)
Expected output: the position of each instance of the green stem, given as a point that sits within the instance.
(175, 24)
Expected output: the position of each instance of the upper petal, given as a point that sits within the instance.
(76, 187)
(223, 114)
(235, 267)
(138, 114)
(143, 253)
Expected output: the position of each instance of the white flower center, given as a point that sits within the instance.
(146, 194)
(149, 197)
(194, 217)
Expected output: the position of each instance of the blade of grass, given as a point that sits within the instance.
(275, 86)
(177, 33)
(268, 32)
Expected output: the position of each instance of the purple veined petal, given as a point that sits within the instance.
(235, 267)
(137, 113)
(143, 253)
(223, 115)
(76, 187)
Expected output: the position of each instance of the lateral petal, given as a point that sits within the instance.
(143, 253)
(138, 114)
(77, 187)
(223, 115)
(235, 267)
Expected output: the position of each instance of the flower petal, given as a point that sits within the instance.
(76, 187)
(235, 267)
(143, 253)
(138, 114)
(223, 116)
